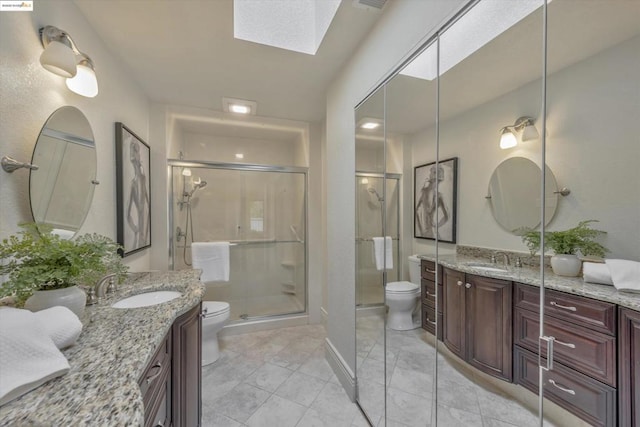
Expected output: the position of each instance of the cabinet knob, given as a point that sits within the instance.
(468, 285)
(460, 283)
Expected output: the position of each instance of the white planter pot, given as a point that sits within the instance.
(566, 265)
(72, 297)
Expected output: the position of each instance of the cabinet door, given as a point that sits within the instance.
(489, 329)
(629, 367)
(187, 361)
(453, 333)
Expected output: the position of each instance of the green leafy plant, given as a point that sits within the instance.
(37, 259)
(579, 238)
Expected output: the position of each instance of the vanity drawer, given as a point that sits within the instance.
(428, 320)
(428, 271)
(152, 376)
(594, 353)
(593, 314)
(583, 396)
(429, 294)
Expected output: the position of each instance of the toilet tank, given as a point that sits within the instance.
(414, 269)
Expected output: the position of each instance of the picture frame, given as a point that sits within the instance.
(133, 191)
(431, 217)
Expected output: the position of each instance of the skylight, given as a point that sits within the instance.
(483, 23)
(298, 25)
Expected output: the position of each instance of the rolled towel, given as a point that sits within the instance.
(28, 357)
(61, 324)
(625, 274)
(383, 252)
(593, 272)
(213, 259)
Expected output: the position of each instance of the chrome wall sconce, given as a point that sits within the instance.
(508, 133)
(10, 164)
(61, 56)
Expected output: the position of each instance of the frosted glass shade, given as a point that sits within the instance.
(508, 140)
(59, 59)
(529, 133)
(85, 82)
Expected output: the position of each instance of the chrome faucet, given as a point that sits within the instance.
(494, 256)
(98, 291)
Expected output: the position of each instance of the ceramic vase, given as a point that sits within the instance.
(72, 297)
(566, 265)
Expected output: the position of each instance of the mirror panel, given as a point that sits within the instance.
(370, 218)
(514, 194)
(61, 189)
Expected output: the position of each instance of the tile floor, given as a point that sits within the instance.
(280, 378)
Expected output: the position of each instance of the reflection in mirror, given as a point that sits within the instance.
(371, 212)
(514, 195)
(61, 190)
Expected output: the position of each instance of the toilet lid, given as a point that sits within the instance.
(398, 287)
(212, 308)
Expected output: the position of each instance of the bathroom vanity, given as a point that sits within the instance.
(489, 319)
(135, 366)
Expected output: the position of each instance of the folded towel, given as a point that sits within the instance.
(383, 252)
(28, 357)
(61, 324)
(596, 273)
(625, 274)
(213, 259)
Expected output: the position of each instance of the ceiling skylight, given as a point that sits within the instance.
(298, 25)
(483, 23)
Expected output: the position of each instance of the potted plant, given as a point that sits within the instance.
(565, 244)
(44, 270)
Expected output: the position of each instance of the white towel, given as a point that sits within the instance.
(594, 272)
(28, 357)
(625, 274)
(61, 324)
(383, 245)
(213, 259)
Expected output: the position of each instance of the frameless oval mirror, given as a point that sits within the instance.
(61, 189)
(514, 194)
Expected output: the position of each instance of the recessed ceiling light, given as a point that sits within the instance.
(239, 156)
(297, 25)
(239, 106)
(370, 125)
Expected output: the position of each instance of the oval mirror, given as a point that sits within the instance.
(514, 194)
(61, 189)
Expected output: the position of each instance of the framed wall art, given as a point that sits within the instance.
(435, 200)
(133, 185)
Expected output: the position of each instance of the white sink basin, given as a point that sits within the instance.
(486, 267)
(147, 299)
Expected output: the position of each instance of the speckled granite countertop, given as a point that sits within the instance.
(531, 276)
(101, 388)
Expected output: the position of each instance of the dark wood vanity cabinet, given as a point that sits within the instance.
(187, 368)
(430, 292)
(170, 384)
(629, 367)
(477, 323)
(585, 372)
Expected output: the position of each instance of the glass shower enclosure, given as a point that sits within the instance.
(261, 212)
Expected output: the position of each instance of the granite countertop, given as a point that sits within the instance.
(101, 388)
(531, 276)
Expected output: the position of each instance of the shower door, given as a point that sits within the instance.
(261, 211)
(369, 206)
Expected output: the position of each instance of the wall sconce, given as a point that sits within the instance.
(62, 57)
(523, 124)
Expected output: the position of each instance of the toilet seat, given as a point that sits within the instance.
(403, 287)
(214, 308)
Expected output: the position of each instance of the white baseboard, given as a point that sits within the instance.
(345, 375)
(325, 316)
(263, 325)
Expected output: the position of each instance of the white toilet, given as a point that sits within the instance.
(214, 315)
(403, 300)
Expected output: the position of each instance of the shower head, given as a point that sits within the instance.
(374, 191)
(197, 185)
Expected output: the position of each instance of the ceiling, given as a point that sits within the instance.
(184, 53)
